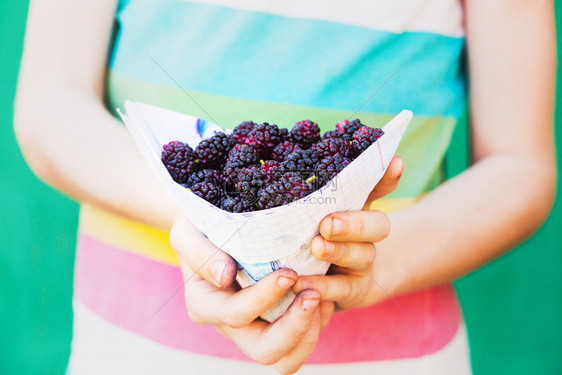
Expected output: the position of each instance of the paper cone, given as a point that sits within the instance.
(266, 240)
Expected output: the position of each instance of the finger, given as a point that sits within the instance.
(204, 258)
(389, 182)
(268, 343)
(285, 333)
(356, 256)
(238, 308)
(355, 226)
(292, 361)
(326, 311)
(335, 288)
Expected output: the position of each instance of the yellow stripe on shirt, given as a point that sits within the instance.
(153, 243)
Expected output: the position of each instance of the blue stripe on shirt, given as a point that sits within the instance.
(314, 63)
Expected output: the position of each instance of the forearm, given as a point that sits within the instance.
(465, 223)
(74, 144)
(508, 192)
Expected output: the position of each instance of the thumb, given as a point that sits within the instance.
(389, 182)
(204, 258)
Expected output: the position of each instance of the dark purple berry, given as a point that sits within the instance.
(248, 182)
(208, 191)
(271, 170)
(180, 160)
(330, 134)
(284, 134)
(329, 167)
(305, 133)
(239, 157)
(302, 161)
(289, 188)
(236, 204)
(241, 131)
(283, 149)
(263, 138)
(333, 146)
(346, 128)
(212, 151)
(364, 137)
(207, 175)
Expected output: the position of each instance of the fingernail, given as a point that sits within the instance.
(285, 282)
(337, 226)
(218, 272)
(310, 304)
(329, 248)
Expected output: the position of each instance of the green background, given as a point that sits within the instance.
(512, 307)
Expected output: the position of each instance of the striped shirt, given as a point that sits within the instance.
(280, 62)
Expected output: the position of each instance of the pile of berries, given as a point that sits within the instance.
(261, 166)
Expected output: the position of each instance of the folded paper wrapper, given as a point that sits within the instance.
(262, 241)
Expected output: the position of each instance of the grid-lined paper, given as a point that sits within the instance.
(265, 240)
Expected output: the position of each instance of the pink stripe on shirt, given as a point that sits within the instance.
(127, 289)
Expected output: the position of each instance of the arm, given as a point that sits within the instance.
(66, 135)
(499, 201)
(72, 142)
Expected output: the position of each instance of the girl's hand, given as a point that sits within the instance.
(212, 298)
(348, 241)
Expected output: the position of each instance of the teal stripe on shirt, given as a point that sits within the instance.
(314, 63)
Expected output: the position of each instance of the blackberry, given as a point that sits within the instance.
(333, 146)
(302, 161)
(236, 204)
(248, 182)
(208, 191)
(180, 160)
(263, 138)
(330, 134)
(329, 167)
(346, 128)
(283, 149)
(271, 170)
(240, 156)
(305, 133)
(364, 137)
(240, 132)
(287, 189)
(207, 175)
(212, 151)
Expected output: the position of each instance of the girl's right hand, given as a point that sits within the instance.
(212, 297)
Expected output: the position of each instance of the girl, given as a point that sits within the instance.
(283, 62)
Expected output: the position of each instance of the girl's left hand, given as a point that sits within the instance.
(348, 241)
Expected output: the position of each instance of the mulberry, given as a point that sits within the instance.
(283, 149)
(263, 138)
(208, 191)
(302, 161)
(212, 151)
(236, 204)
(240, 133)
(208, 175)
(239, 157)
(329, 167)
(248, 182)
(180, 160)
(364, 137)
(330, 134)
(333, 146)
(305, 133)
(346, 128)
(271, 170)
(289, 188)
